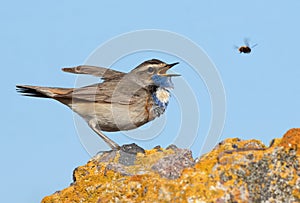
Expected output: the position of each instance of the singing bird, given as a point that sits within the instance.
(123, 101)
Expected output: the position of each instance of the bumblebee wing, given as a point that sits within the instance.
(254, 46)
(104, 73)
(246, 41)
(235, 47)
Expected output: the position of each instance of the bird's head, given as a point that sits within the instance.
(153, 72)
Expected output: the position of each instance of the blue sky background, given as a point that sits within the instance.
(39, 143)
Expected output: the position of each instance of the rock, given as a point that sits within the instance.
(234, 171)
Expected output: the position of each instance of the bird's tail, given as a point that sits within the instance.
(44, 92)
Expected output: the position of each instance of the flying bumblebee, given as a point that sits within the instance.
(246, 49)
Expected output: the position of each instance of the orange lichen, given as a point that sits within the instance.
(235, 170)
(291, 139)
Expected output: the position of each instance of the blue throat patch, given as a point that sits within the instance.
(162, 81)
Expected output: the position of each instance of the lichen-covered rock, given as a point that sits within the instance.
(234, 171)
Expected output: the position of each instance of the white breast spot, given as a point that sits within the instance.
(163, 95)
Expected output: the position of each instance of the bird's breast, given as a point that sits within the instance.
(160, 98)
(114, 116)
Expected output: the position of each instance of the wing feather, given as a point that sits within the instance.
(104, 73)
(112, 91)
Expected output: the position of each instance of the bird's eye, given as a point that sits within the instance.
(150, 70)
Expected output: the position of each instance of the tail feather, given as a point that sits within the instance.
(44, 92)
(30, 91)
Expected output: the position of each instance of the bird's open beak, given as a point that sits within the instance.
(163, 71)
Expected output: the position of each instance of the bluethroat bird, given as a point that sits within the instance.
(123, 101)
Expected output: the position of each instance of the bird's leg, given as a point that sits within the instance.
(93, 123)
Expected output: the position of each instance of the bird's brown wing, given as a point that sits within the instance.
(104, 73)
(112, 91)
